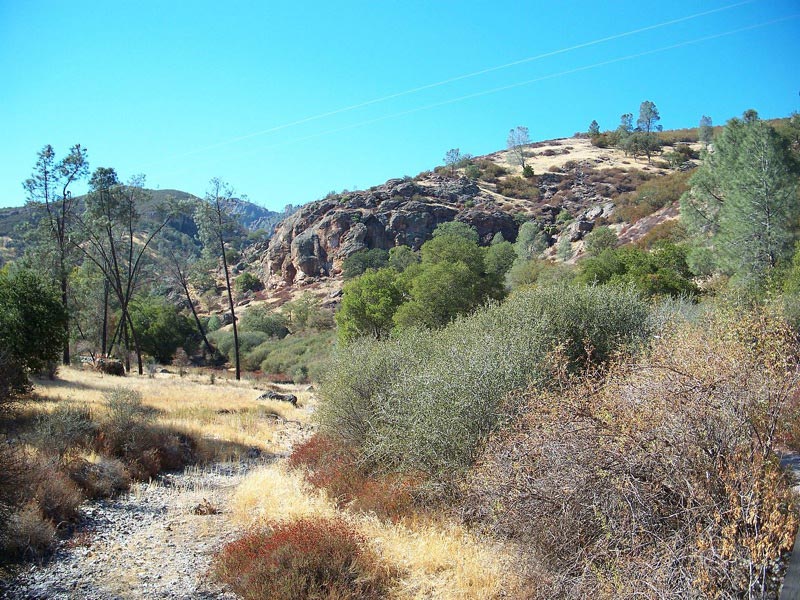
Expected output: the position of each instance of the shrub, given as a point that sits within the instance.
(659, 479)
(247, 282)
(28, 534)
(67, 427)
(363, 260)
(161, 329)
(423, 402)
(490, 171)
(213, 323)
(128, 432)
(101, 479)
(261, 318)
(301, 356)
(651, 196)
(332, 465)
(518, 187)
(223, 341)
(302, 560)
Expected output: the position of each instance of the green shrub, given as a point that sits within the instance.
(213, 323)
(161, 328)
(247, 282)
(300, 356)
(223, 341)
(650, 196)
(262, 319)
(363, 260)
(424, 401)
(302, 560)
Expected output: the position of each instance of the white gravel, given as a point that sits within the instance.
(148, 543)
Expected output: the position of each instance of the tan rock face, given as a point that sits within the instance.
(312, 242)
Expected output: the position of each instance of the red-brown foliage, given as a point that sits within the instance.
(303, 559)
(333, 466)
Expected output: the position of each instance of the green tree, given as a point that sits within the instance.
(599, 239)
(564, 250)
(363, 260)
(49, 186)
(402, 257)
(458, 229)
(743, 200)
(594, 129)
(368, 305)
(247, 282)
(517, 139)
(705, 132)
(531, 241)
(623, 132)
(32, 330)
(161, 328)
(215, 224)
(499, 258)
(439, 293)
(647, 141)
(452, 249)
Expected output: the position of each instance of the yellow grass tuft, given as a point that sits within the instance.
(435, 559)
(277, 494)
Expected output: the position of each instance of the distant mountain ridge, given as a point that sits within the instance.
(250, 217)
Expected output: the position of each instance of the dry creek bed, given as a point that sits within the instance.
(156, 541)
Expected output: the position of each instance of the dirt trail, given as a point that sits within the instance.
(156, 541)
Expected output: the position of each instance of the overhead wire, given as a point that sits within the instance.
(462, 77)
(530, 81)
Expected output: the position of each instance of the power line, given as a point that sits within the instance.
(531, 81)
(473, 74)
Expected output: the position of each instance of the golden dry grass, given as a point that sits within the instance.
(436, 558)
(226, 416)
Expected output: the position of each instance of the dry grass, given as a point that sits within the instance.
(435, 558)
(226, 416)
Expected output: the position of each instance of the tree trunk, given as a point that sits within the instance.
(65, 357)
(207, 344)
(136, 346)
(104, 341)
(230, 303)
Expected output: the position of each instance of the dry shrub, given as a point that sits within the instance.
(65, 428)
(518, 187)
(13, 470)
(101, 479)
(332, 465)
(58, 497)
(658, 479)
(28, 533)
(302, 559)
(129, 433)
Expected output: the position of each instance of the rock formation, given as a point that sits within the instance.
(312, 242)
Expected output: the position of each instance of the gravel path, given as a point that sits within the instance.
(156, 541)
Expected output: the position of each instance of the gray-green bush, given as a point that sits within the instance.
(424, 401)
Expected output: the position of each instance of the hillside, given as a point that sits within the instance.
(249, 216)
(576, 186)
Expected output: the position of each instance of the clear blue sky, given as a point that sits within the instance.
(184, 91)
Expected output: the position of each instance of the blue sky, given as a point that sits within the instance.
(277, 98)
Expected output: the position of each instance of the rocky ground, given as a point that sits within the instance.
(157, 541)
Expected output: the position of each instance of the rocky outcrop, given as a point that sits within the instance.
(312, 242)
